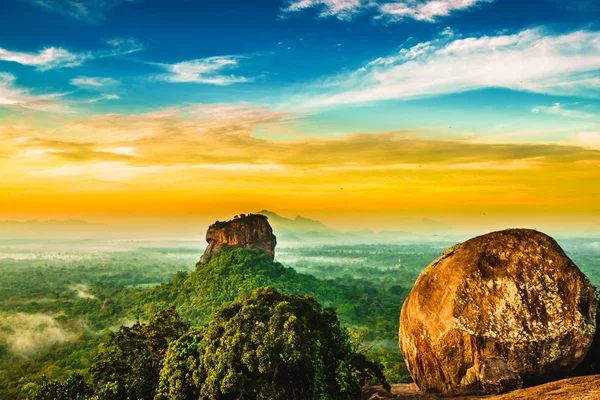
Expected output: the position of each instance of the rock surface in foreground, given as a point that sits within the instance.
(579, 388)
(248, 231)
(495, 312)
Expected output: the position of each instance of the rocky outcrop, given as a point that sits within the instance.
(246, 231)
(496, 312)
(578, 388)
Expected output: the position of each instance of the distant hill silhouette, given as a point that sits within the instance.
(306, 230)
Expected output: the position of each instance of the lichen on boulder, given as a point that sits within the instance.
(495, 312)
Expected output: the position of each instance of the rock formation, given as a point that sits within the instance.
(246, 231)
(496, 312)
(578, 388)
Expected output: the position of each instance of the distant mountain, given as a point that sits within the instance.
(301, 229)
(284, 225)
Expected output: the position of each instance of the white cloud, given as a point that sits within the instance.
(48, 58)
(531, 61)
(84, 10)
(560, 110)
(13, 96)
(120, 47)
(341, 9)
(390, 11)
(57, 57)
(425, 10)
(92, 82)
(103, 97)
(204, 70)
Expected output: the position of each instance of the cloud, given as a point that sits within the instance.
(212, 157)
(103, 97)
(560, 110)
(120, 47)
(424, 10)
(97, 85)
(92, 82)
(17, 97)
(56, 57)
(204, 70)
(82, 291)
(220, 137)
(29, 333)
(91, 11)
(390, 11)
(531, 61)
(48, 58)
(588, 139)
(341, 9)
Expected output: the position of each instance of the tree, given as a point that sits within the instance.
(73, 388)
(128, 364)
(266, 345)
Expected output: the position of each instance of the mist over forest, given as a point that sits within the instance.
(54, 310)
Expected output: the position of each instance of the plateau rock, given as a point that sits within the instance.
(247, 231)
(497, 312)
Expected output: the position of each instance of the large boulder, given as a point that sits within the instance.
(496, 312)
(247, 231)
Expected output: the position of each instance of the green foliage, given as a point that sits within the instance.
(3, 349)
(268, 345)
(73, 388)
(373, 307)
(128, 364)
(367, 302)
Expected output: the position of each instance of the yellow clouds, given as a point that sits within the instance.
(187, 159)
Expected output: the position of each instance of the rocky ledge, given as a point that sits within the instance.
(578, 388)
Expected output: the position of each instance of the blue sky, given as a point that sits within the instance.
(280, 54)
(375, 96)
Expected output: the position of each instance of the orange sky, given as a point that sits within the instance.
(205, 162)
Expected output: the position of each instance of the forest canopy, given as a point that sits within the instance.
(266, 345)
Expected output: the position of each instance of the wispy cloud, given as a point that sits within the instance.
(425, 10)
(205, 70)
(88, 82)
(531, 60)
(84, 10)
(172, 136)
(29, 333)
(108, 96)
(341, 9)
(560, 110)
(57, 57)
(120, 47)
(48, 58)
(390, 11)
(17, 97)
(215, 144)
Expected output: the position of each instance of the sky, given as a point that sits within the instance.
(482, 114)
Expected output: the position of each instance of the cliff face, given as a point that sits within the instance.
(247, 231)
(497, 312)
